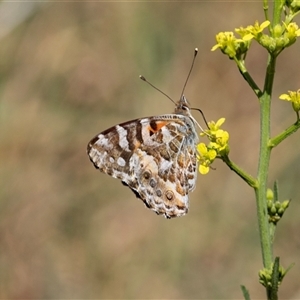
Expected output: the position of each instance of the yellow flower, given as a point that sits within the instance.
(222, 138)
(294, 97)
(214, 127)
(227, 43)
(217, 146)
(206, 157)
(251, 31)
(230, 45)
(291, 33)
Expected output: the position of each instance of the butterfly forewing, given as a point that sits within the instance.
(155, 157)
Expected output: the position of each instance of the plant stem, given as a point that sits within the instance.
(248, 77)
(266, 9)
(278, 7)
(263, 166)
(245, 176)
(282, 136)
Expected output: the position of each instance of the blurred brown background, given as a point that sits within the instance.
(70, 70)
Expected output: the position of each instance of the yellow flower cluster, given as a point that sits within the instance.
(282, 36)
(230, 45)
(217, 147)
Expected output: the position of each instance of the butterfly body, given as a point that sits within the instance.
(155, 157)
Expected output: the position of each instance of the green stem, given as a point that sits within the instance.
(263, 166)
(266, 9)
(245, 176)
(278, 8)
(248, 77)
(282, 136)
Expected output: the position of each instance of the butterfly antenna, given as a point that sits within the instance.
(144, 79)
(191, 68)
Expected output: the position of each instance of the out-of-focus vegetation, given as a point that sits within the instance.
(70, 70)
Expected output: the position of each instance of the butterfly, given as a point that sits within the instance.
(155, 157)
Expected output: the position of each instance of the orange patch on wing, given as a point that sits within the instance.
(156, 125)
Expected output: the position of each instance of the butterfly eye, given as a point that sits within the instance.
(185, 107)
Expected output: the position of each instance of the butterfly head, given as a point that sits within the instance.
(183, 106)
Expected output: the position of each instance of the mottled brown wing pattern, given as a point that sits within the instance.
(155, 157)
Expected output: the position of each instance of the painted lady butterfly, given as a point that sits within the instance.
(155, 157)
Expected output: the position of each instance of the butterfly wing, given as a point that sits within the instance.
(155, 157)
